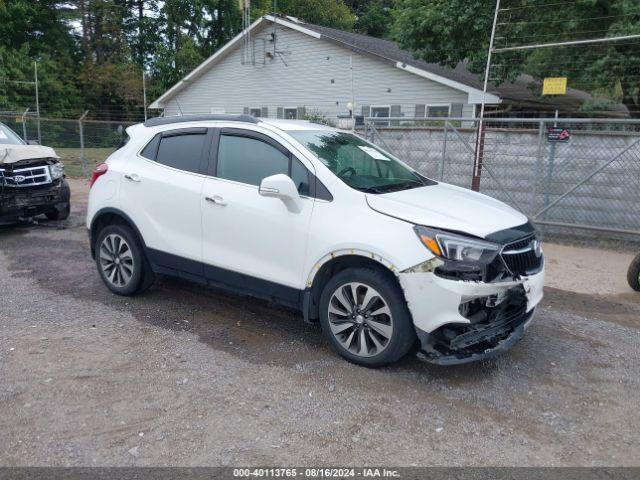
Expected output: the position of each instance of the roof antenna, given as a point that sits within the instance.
(179, 108)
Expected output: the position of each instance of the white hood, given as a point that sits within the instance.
(448, 207)
(16, 153)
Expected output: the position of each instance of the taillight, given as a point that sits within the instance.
(97, 173)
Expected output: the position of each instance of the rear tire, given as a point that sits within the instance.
(365, 317)
(121, 261)
(633, 274)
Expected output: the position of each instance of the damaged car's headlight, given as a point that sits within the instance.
(56, 170)
(457, 247)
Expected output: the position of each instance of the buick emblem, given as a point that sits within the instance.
(19, 178)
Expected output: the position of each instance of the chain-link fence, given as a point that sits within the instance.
(80, 143)
(564, 173)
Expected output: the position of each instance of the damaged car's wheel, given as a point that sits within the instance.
(59, 212)
(120, 260)
(365, 317)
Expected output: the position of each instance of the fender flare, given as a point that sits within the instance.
(119, 213)
(348, 252)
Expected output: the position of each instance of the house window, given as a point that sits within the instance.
(255, 112)
(440, 110)
(381, 111)
(291, 113)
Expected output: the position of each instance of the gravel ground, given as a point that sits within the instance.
(185, 375)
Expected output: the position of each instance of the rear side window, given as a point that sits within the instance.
(182, 151)
(248, 160)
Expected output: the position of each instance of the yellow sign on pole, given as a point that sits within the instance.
(554, 86)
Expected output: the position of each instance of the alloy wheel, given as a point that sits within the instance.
(116, 260)
(360, 319)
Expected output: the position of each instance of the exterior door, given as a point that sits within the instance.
(162, 189)
(249, 234)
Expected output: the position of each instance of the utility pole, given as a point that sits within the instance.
(35, 69)
(477, 167)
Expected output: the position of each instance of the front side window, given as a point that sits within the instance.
(8, 137)
(249, 160)
(358, 163)
(182, 151)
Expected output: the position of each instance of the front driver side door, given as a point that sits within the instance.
(250, 241)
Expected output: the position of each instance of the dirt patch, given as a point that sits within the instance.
(587, 270)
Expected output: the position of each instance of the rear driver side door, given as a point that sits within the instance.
(161, 189)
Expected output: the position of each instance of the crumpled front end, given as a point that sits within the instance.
(461, 319)
(30, 187)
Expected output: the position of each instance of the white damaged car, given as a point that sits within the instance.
(323, 221)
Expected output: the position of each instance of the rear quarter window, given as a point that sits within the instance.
(181, 149)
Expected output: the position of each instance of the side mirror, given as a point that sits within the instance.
(282, 187)
(33, 142)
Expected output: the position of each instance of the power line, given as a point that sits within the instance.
(561, 44)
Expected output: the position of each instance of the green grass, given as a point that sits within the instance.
(70, 157)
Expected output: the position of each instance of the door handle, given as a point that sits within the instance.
(133, 177)
(217, 200)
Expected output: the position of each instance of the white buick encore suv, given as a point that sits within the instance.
(321, 220)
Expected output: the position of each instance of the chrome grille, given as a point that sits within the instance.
(520, 256)
(25, 177)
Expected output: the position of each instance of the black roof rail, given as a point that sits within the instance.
(154, 122)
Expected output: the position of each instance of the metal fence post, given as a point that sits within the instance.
(549, 176)
(24, 125)
(444, 151)
(538, 166)
(83, 160)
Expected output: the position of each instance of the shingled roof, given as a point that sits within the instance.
(521, 91)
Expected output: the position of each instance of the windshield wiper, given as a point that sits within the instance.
(370, 189)
(395, 187)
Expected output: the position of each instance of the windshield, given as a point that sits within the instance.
(358, 163)
(8, 137)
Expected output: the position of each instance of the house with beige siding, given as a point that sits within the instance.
(282, 67)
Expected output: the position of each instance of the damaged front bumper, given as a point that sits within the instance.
(19, 203)
(461, 321)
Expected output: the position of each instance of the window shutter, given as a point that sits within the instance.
(396, 111)
(265, 112)
(420, 111)
(245, 110)
(366, 111)
(302, 112)
(280, 112)
(456, 110)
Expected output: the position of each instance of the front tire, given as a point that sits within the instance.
(120, 260)
(633, 274)
(365, 317)
(59, 212)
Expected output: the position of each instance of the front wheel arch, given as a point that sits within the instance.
(333, 264)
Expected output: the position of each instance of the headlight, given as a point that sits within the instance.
(457, 247)
(56, 170)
